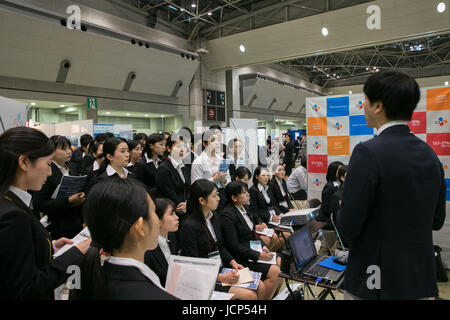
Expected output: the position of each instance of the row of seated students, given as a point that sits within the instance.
(195, 209)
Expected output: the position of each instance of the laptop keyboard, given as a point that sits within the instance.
(318, 271)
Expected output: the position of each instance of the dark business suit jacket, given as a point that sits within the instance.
(145, 172)
(169, 183)
(237, 235)
(87, 164)
(156, 260)
(76, 158)
(66, 221)
(259, 206)
(196, 240)
(278, 195)
(27, 268)
(326, 208)
(128, 283)
(288, 159)
(394, 197)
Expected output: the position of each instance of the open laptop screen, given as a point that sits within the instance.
(302, 246)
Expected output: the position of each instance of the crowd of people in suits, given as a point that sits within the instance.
(131, 186)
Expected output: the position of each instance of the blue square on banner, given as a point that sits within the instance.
(447, 181)
(338, 107)
(358, 126)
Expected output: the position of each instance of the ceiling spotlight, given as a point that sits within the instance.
(441, 7)
(146, 115)
(210, 13)
(108, 113)
(367, 69)
(33, 104)
(162, 116)
(242, 48)
(350, 92)
(193, 5)
(128, 114)
(446, 83)
(61, 105)
(325, 31)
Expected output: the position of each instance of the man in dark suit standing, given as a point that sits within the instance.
(288, 159)
(394, 197)
(81, 152)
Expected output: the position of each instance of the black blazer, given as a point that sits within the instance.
(145, 172)
(66, 221)
(288, 159)
(76, 158)
(99, 178)
(169, 183)
(326, 208)
(87, 164)
(278, 195)
(156, 260)
(237, 235)
(259, 206)
(27, 268)
(196, 240)
(394, 197)
(128, 283)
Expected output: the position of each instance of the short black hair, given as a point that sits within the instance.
(332, 171)
(215, 126)
(398, 92)
(140, 136)
(60, 142)
(85, 139)
(241, 172)
(231, 143)
(257, 172)
(234, 188)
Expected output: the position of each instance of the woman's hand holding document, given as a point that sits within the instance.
(239, 277)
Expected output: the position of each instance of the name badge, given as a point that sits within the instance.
(256, 245)
(272, 212)
(284, 204)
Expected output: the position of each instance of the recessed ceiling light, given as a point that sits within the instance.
(61, 105)
(210, 13)
(242, 48)
(108, 113)
(146, 115)
(128, 114)
(350, 92)
(446, 83)
(441, 7)
(193, 5)
(325, 31)
(33, 104)
(162, 116)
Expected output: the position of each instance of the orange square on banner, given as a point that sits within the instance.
(338, 146)
(317, 126)
(438, 99)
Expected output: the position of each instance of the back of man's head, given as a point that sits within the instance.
(398, 92)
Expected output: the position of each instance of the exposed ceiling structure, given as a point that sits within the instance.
(420, 58)
(213, 19)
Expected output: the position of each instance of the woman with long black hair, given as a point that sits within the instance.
(200, 237)
(27, 267)
(121, 218)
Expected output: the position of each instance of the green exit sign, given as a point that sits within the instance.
(92, 103)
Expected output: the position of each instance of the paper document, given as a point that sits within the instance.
(80, 237)
(192, 278)
(257, 247)
(252, 285)
(245, 276)
(266, 232)
(68, 186)
(224, 165)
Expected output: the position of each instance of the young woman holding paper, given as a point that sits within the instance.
(28, 270)
(121, 218)
(64, 214)
(238, 230)
(200, 236)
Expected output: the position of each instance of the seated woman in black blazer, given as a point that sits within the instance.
(28, 270)
(323, 219)
(135, 147)
(262, 201)
(145, 169)
(280, 190)
(200, 237)
(116, 158)
(238, 229)
(173, 177)
(157, 259)
(122, 221)
(64, 214)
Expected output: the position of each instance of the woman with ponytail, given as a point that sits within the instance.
(27, 268)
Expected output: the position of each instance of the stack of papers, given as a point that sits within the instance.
(83, 235)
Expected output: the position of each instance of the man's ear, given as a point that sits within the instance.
(379, 107)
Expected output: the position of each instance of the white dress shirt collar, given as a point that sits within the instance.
(24, 196)
(164, 245)
(110, 171)
(63, 170)
(175, 163)
(143, 268)
(148, 160)
(95, 166)
(246, 217)
(391, 124)
(280, 184)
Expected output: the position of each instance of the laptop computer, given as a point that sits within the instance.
(306, 259)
